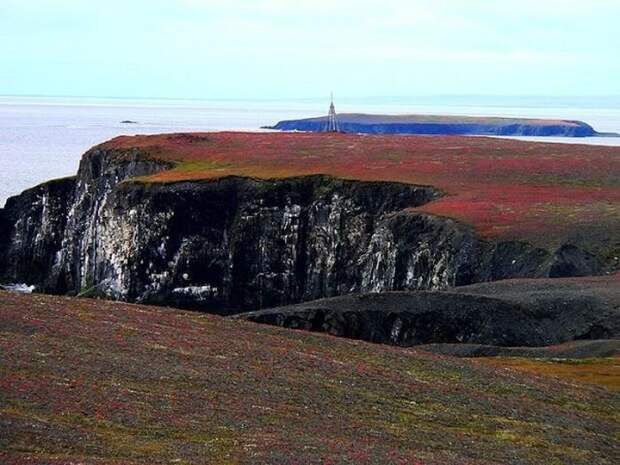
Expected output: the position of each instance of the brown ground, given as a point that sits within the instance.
(602, 371)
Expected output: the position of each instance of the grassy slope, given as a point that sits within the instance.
(604, 371)
(504, 188)
(84, 381)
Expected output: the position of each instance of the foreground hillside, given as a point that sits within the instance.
(92, 382)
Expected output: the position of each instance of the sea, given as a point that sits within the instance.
(43, 138)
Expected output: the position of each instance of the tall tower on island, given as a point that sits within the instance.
(332, 120)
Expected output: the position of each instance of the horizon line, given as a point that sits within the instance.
(289, 98)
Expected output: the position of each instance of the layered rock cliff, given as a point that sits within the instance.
(237, 243)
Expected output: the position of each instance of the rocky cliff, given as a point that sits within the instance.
(442, 125)
(239, 243)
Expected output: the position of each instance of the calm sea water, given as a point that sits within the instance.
(43, 138)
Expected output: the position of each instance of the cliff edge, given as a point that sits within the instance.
(231, 222)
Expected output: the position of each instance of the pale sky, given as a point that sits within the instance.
(306, 48)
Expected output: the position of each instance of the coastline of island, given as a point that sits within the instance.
(442, 125)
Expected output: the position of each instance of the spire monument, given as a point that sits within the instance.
(332, 120)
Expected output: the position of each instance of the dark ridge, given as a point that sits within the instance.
(506, 313)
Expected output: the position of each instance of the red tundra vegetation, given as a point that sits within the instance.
(504, 188)
(97, 382)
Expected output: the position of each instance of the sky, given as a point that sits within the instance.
(307, 48)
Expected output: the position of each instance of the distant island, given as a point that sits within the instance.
(443, 125)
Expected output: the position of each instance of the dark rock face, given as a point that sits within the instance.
(491, 315)
(378, 124)
(31, 233)
(238, 244)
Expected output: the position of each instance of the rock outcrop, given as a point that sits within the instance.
(237, 244)
(443, 125)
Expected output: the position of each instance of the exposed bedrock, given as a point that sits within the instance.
(238, 244)
(507, 313)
